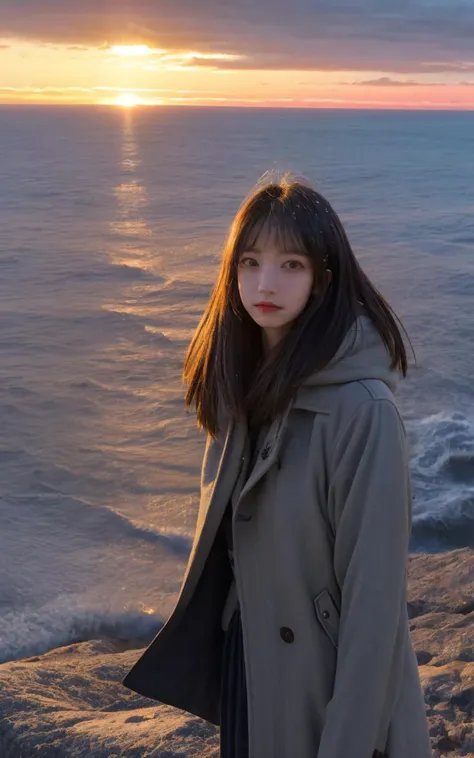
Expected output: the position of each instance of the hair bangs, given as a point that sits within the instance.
(291, 227)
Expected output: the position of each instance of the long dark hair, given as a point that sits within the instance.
(225, 367)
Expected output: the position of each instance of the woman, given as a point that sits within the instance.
(291, 628)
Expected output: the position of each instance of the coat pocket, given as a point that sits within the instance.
(328, 615)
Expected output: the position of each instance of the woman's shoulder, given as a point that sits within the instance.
(357, 409)
(367, 398)
(341, 400)
(367, 391)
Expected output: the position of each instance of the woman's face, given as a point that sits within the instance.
(266, 274)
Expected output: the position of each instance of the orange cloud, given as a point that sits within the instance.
(389, 36)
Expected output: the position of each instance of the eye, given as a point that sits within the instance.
(294, 265)
(247, 262)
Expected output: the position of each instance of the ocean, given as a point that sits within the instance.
(111, 226)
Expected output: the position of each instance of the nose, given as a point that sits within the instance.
(267, 281)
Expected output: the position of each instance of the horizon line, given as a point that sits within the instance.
(240, 106)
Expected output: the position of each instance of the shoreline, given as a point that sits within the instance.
(70, 701)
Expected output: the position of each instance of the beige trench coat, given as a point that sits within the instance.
(321, 531)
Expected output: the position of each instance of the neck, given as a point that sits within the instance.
(270, 339)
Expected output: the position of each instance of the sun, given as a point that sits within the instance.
(127, 100)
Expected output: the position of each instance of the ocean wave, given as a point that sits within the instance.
(68, 620)
(443, 480)
(73, 571)
(119, 272)
(450, 529)
(75, 519)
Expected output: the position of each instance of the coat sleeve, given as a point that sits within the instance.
(370, 510)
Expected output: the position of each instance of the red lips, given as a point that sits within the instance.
(264, 306)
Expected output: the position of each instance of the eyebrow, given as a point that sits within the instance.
(280, 252)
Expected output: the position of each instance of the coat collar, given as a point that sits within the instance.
(269, 451)
(315, 399)
(306, 399)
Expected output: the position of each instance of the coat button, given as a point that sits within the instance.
(265, 452)
(326, 614)
(287, 634)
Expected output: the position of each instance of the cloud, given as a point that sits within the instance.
(43, 90)
(400, 36)
(386, 81)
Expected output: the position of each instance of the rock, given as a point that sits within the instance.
(70, 703)
(443, 582)
(441, 609)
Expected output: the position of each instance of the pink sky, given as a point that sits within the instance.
(392, 54)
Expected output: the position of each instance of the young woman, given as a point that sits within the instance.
(291, 628)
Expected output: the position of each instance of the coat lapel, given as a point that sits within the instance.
(214, 499)
(268, 454)
(306, 399)
(219, 491)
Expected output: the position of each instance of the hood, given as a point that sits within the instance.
(362, 355)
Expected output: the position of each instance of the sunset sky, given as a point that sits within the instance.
(312, 53)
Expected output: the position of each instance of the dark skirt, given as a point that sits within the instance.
(234, 741)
